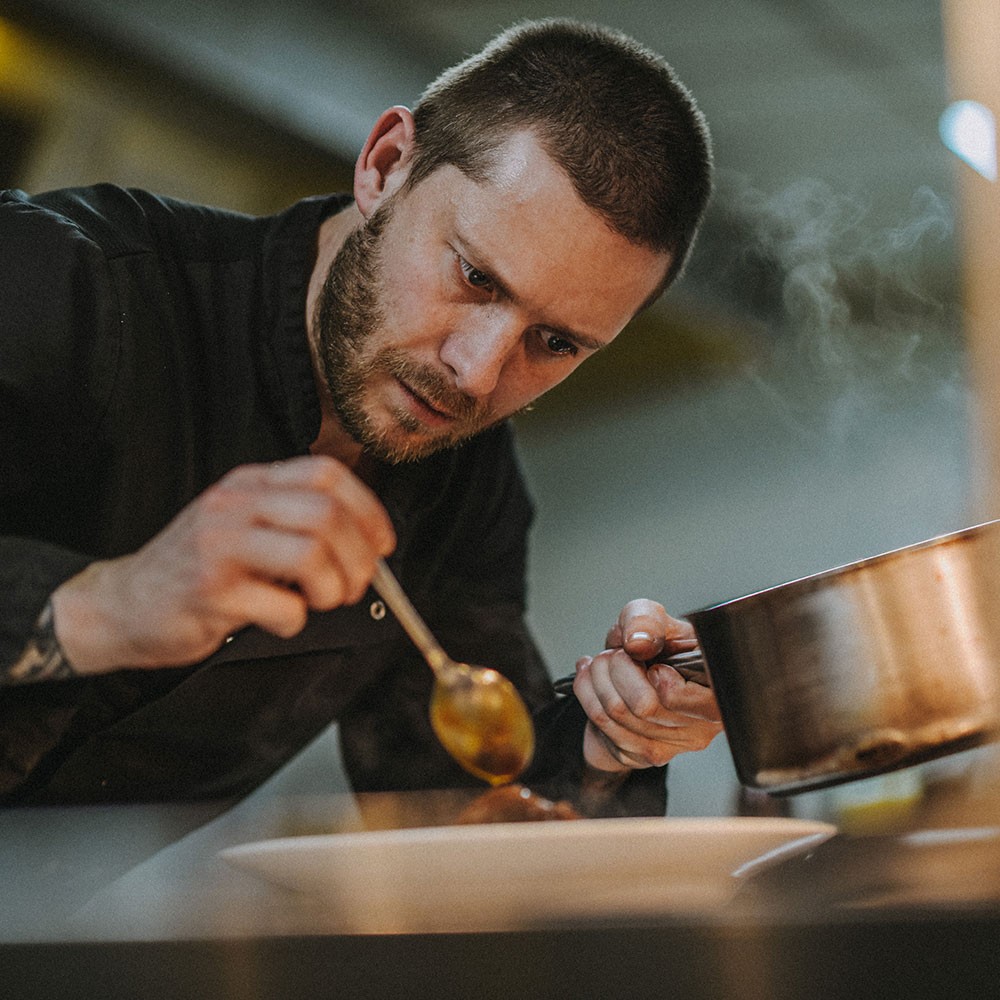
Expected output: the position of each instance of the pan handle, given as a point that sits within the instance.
(690, 665)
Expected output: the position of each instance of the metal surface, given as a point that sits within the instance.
(860, 670)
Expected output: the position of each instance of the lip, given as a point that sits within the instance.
(424, 410)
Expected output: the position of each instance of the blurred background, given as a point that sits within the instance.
(798, 401)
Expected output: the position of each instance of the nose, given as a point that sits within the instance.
(477, 352)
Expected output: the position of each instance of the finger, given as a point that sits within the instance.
(635, 742)
(624, 690)
(600, 752)
(327, 475)
(615, 694)
(644, 627)
(653, 736)
(634, 750)
(281, 557)
(335, 540)
(320, 497)
(262, 603)
(620, 756)
(269, 606)
(682, 696)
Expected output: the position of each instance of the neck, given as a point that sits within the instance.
(332, 439)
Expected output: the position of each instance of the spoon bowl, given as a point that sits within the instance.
(476, 713)
(482, 722)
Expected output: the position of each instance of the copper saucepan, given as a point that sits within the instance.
(859, 670)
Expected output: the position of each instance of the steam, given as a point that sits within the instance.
(857, 317)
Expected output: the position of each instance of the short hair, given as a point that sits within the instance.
(609, 111)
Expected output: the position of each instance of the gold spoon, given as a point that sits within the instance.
(476, 713)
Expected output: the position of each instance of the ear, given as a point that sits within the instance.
(385, 159)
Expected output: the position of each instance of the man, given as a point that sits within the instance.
(213, 425)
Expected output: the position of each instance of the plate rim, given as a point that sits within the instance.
(794, 828)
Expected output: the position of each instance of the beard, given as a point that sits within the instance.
(349, 312)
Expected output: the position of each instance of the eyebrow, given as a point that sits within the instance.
(581, 339)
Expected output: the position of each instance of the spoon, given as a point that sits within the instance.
(476, 712)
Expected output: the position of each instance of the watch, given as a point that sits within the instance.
(43, 658)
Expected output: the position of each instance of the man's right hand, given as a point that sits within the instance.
(260, 547)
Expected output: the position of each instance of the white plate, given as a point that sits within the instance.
(503, 876)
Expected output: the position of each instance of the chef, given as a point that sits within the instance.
(212, 426)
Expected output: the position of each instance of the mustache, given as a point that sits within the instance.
(435, 388)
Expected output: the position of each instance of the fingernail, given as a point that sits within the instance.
(640, 637)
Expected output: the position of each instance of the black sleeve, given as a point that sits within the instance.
(57, 349)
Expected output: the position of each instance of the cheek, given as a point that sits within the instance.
(413, 294)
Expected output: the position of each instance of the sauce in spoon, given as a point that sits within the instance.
(476, 712)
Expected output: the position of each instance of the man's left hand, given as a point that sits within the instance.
(643, 713)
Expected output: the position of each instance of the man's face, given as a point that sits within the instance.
(459, 302)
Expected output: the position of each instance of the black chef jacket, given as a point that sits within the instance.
(147, 346)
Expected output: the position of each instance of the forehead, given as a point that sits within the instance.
(525, 220)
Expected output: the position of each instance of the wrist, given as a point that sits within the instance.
(84, 631)
(597, 756)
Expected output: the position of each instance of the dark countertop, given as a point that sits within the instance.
(888, 955)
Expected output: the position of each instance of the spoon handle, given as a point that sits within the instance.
(392, 593)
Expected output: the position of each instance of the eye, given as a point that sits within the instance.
(559, 346)
(475, 277)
